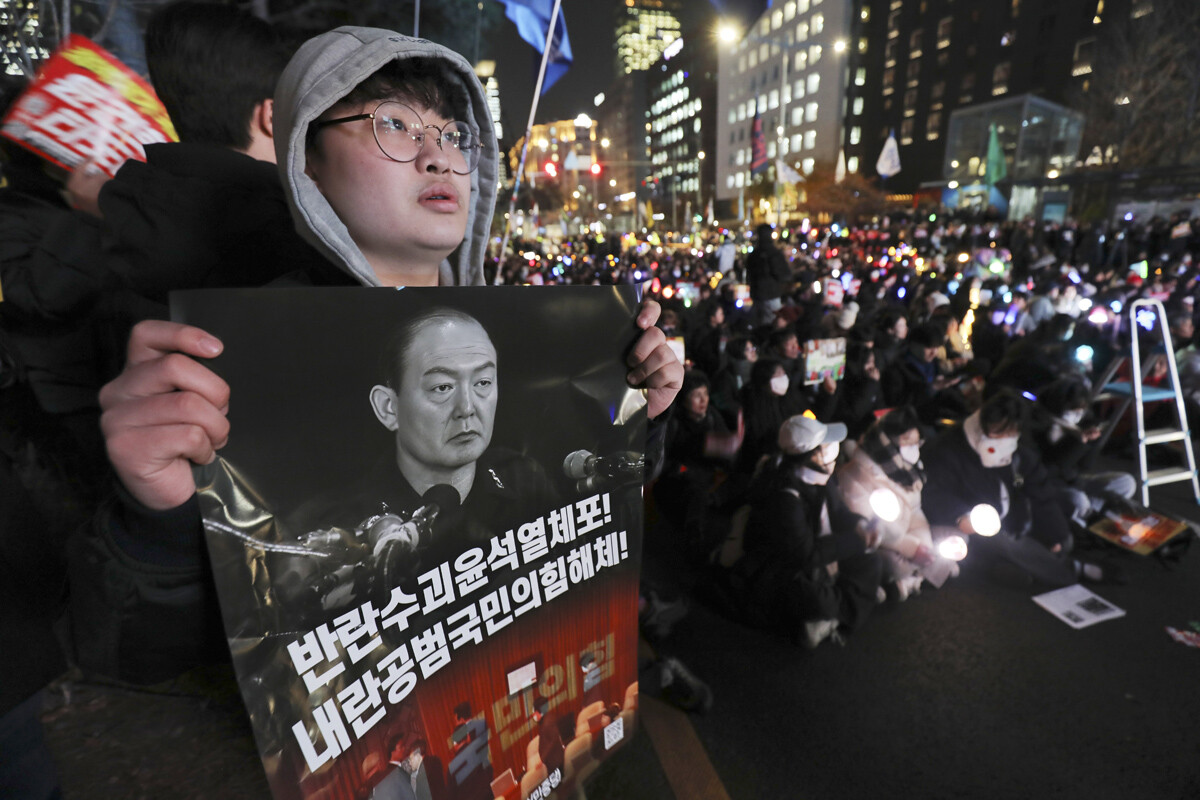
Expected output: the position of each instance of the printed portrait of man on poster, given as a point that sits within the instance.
(426, 534)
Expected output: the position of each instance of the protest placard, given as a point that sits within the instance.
(824, 358)
(85, 105)
(426, 532)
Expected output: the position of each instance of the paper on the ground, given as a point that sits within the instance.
(1077, 606)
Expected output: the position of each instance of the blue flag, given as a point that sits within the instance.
(532, 18)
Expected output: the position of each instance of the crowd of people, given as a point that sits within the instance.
(964, 421)
(959, 420)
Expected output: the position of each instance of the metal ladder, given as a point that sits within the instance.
(1143, 395)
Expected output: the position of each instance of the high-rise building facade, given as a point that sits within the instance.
(789, 68)
(682, 128)
(920, 60)
(22, 45)
(643, 30)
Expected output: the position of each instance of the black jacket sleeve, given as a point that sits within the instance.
(143, 606)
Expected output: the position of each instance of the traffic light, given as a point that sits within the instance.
(551, 169)
(595, 169)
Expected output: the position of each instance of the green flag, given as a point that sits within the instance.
(997, 168)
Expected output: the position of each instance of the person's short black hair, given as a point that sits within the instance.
(413, 81)
(929, 334)
(693, 379)
(778, 337)
(888, 318)
(1002, 411)
(211, 64)
(391, 364)
(735, 348)
(899, 421)
(1064, 394)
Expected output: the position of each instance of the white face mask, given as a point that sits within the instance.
(779, 385)
(911, 453)
(829, 453)
(997, 452)
(1073, 417)
(810, 475)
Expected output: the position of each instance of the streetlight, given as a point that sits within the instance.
(727, 32)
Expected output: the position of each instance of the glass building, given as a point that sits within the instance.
(1040, 144)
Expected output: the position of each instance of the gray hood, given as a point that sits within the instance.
(323, 71)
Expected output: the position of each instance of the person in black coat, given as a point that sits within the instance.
(809, 565)
(982, 463)
(769, 274)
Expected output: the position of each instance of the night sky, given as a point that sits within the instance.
(589, 27)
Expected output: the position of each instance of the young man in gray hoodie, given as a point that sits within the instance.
(393, 191)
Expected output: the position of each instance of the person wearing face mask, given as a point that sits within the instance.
(1068, 449)
(888, 458)
(809, 565)
(981, 463)
(768, 400)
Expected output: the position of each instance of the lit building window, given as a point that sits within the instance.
(860, 77)
(796, 142)
(945, 26)
(858, 106)
(776, 20)
(808, 165)
(906, 132)
(773, 102)
(855, 135)
(810, 112)
(814, 55)
(789, 11)
(802, 32)
(797, 116)
(814, 82)
(1084, 52)
(1000, 78)
(852, 164)
(818, 23)
(810, 140)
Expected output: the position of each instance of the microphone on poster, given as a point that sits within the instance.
(593, 473)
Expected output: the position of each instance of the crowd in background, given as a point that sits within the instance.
(973, 348)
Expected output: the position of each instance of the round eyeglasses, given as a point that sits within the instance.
(400, 134)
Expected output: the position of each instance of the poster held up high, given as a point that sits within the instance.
(85, 105)
(426, 533)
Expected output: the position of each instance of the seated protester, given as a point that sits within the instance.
(783, 345)
(891, 331)
(1068, 450)
(807, 566)
(859, 394)
(704, 345)
(727, 384)
(980, 462)
(1038, 359)
(698, 445)
(768, 400)
(913, 379)
(954, 354)
(1187, 361)
(988, 338)
(415, 214)
(888, 458)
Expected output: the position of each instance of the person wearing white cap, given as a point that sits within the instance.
(810, 565)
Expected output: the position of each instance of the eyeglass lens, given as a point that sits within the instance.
(401, 134)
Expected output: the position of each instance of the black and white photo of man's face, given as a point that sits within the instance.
(444, 406)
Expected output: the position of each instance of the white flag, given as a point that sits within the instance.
(889, 158)
(839, 174)
(787, 174)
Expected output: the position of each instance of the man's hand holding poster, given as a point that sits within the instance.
(426, 534)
